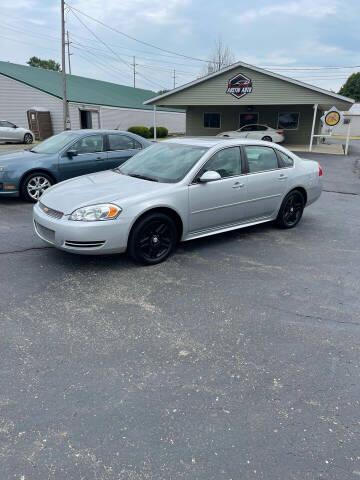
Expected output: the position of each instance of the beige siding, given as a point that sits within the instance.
(267, 115)
(16, 99)
(267, 90)
(123, 118)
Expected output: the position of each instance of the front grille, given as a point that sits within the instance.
(45, 233)
(95, 244)
(51, 212)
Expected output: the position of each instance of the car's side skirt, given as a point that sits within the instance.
(226, 228)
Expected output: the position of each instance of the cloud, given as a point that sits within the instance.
(302, 8)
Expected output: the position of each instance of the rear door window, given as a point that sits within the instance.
(261, 159)
(287, 161)
(122, 142)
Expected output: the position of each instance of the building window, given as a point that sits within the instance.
(288, 121)
(212, 120)
(248, 118)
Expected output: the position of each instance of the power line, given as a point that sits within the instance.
(135, 39)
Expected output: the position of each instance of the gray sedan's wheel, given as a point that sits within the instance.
(28, 138)
(152, 239)
(35, 185)
(267, 138)
(291, 210)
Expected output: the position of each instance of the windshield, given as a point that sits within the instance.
(55, 143)
(163, 162)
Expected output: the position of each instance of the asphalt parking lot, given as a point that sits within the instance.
(238, 358)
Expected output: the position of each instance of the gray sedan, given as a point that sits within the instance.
(175, 190)
(76, 152)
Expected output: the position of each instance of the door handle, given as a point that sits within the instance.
(238, 185)
(282, 177)
(99, 159)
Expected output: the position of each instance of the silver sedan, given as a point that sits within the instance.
(177, 190)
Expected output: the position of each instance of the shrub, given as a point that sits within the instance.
(142, 131)
(161, 132)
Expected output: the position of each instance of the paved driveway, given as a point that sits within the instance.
(236, 359)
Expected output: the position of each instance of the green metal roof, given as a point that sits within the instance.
(80, 89)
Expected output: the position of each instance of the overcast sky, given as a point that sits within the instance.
(278, 33)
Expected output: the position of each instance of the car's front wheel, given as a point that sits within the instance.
(152, 239)
(291, 210)
(28, 139)
(34, 185)
(267, 138)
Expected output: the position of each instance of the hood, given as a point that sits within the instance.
(100, 187)
(19, 156)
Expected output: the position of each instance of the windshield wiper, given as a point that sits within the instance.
(143, 177)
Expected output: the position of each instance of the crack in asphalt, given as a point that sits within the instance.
(342, 193)
(11, 252)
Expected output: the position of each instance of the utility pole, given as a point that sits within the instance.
(174, 77)
(63, 71)
(134, 66)
(68, 50)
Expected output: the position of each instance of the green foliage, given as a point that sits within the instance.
(142, 131)
(351, 87)
(161, 92)
(161, 132)
(47, 64)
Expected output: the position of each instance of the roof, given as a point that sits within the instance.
(214, 141)
(80, 89)
(154, 100)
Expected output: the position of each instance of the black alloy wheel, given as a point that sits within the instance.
(28, 139)
(291, 210)
(267, 138)
(152, 239)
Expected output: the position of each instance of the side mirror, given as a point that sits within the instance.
(15, 126)
(209, 176)
(71, 153)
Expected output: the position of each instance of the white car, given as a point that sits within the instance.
(9, 132)
(256, 131)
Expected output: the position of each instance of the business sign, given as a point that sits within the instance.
(332, 118)
(239, 85)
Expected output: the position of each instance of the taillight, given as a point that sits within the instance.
(280, 133)
(320, 170)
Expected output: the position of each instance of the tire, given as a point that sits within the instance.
(28, 139)
(152, 239)
(34, 186)
(267, 138)
(291, 210)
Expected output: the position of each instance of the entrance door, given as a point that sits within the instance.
(85, 119)
(218, 203)
(265, 183)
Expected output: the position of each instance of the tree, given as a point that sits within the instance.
(220, 57)
(47, 64)
(351, 87)
(161, 92)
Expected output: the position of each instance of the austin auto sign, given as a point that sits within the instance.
(239, 85)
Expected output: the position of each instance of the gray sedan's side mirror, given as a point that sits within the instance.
(71, 153)
(209, 176)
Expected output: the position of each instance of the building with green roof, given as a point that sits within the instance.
(92, 103)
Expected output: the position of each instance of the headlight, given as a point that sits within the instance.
(93, 213)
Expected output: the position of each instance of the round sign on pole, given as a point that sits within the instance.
(332, 117)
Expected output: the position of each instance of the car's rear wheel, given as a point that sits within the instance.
(152, 239)
(267, 138)
(291, 210)
(28, 139)
(34, 185)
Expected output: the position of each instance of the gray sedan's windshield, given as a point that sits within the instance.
(163, 162)
(55, 143)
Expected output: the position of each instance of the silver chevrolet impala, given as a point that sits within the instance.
(177, 190)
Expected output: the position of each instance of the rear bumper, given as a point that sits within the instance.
(85, 238)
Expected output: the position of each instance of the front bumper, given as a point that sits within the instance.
(86, 238)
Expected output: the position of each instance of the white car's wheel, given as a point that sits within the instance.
(267, 138)
(28, 138)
